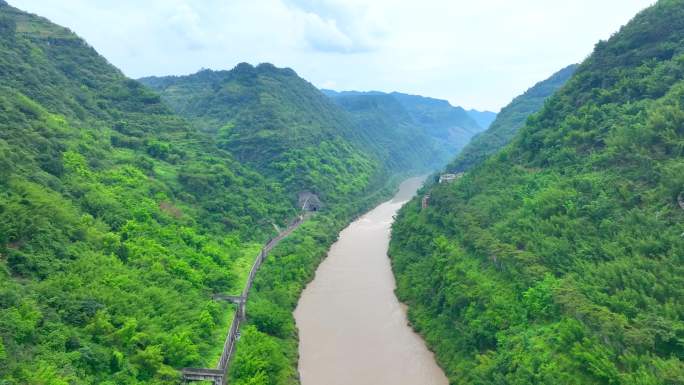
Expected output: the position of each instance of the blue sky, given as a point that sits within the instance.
(477, 54)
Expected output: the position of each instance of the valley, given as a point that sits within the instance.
(248, 226)
(125, 212)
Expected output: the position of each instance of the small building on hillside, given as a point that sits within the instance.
(425, 202)
(309, 201)
(448, 178)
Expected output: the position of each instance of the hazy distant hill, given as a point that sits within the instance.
(483, 118)
(449, 127)
(509, 121)
(386, 124)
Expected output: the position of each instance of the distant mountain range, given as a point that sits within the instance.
(268, 117)
(448, 127)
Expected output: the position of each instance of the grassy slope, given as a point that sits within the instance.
(559, 260)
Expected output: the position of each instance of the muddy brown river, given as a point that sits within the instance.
(352, 328)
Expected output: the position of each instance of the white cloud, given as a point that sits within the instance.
(324, 35)
(476, 54)
(186, 25)
(338, 26)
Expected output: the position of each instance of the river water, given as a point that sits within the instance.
(352, 328)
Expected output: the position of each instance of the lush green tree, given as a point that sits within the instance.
(559, 258)
(119, 219)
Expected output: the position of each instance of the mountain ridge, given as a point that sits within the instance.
(483, 118)
(509, 120)
(391, 138)
(273, 120)
(448, 127)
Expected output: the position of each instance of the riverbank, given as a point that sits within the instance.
(267, 350)
(218, 375)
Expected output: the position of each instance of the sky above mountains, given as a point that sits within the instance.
(474, 54)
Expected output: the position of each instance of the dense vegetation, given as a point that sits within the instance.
(422, 133)
(279, 124)
(112, 236)
(451, 126)
(119, 219)
(509, 121)
(267, 352)
(388, 128)
(559, 260)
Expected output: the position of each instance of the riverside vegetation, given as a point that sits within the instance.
(124, 205)
(123, 209)
(558, 260)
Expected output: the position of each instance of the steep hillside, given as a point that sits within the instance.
(276, 122)
(483, 119)
(559, 260)
(409, 124)
(509, 121)
(110, 222)
(451, 126)
(119, 220)
(390, 130)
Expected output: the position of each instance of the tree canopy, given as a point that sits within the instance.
(558, 260)
(120, 218)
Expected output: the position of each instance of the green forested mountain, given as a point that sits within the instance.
(509, 121)
(276, 122)
(559, 259)
(112, 236)
(410, 124)
(391, 131)
(451, 126)
(119, 219)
